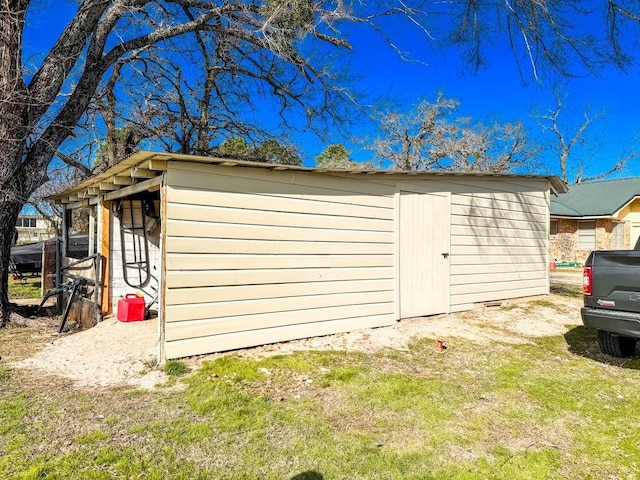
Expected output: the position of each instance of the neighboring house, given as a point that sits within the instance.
(235, 254)
(594, 216)
(33, 228)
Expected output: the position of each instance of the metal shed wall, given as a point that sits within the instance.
(255, 256)
(499, 236)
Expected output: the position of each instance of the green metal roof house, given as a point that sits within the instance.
(597, 215)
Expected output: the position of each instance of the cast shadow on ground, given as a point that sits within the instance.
(32, 311)
(566, 289)
(308, 475)
(584, 342)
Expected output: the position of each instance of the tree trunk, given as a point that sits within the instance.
(8, 216)
(14, 125)
(15, 190)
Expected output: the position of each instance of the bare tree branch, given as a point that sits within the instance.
(576, 147)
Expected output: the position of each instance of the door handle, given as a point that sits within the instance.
(445, 255)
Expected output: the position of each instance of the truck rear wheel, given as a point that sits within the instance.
(615, 345)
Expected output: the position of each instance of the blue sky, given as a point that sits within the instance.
(496, 92)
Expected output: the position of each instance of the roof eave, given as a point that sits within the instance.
(146, 164)
(581, 217)
(558, 187)
(622, 207)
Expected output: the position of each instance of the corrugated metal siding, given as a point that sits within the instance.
(255, 256)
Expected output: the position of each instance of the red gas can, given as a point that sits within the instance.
(131, 308)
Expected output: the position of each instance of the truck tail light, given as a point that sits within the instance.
(587, 280)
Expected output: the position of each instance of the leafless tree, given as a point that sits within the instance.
(567, 37)
(578, 147)
(43, 105)
(105, 41)
(406, 138)
(496, 148)
(430, 138)
(196, 96)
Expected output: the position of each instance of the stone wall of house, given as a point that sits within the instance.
(604, 228)
(563, 247)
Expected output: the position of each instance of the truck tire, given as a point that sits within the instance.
(616, 345)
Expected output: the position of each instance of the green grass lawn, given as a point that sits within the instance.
(552, 408)
(29, 287)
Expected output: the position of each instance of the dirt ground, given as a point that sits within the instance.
(124, 354)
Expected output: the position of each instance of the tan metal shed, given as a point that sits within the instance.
(253, 253)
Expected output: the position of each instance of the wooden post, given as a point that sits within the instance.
(63, 248)
(92, 231)
(162, 287)
(104, 237)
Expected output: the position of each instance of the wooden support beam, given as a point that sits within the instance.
(92, 231)
(73, 205)
(147, 185)
(122, 180)
(162, 301)
(160, 165)
(106, 186)
(142, 173)
(88, 193)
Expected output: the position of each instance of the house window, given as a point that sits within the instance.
(553, 228)
(26, 222)
(587, 235)
(618, 236)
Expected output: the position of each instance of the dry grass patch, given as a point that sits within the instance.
(502, 402)
(23, 337)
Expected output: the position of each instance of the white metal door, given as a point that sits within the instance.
(424, 243)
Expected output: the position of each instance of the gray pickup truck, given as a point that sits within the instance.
(611, 288)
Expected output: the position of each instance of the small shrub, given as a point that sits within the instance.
(175, 368)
